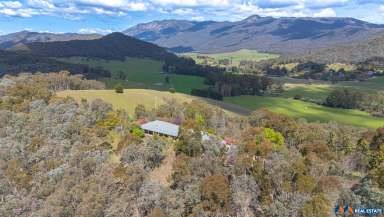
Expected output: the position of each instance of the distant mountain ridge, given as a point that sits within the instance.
(26, 37)
(277, 35)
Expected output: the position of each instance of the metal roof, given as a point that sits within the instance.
(162, 127)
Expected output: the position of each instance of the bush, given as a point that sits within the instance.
(157, 212)
(274, 137)
(298, 97)
(172, 90)
(138, 132)
(119, 88)
(317, 207)
(207, 93)
(216, 193)
(344, 98)
(305, 184)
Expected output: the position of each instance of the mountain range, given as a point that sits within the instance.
(325, 39)
(275, 35)
(25, 37)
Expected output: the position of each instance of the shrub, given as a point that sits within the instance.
(305, 184)
(328, 184)
(140, 111)
(172, 90)
(157, 212)
(317, 207)
(298, 97)
(138, 132)
(119, 88)
(216, 193)
(274, 137)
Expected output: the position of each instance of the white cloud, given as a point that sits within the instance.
(11, 4)
(137, 6)
(115, 4)
(327, 12)
(381, 8)
(95, 31)
(184, 9)
(198, 18)
(192, 3)
(22, 12)
(43, 4)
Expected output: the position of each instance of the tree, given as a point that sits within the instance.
(140, 111)
(318, 206)
(215, 193)
(119, 88)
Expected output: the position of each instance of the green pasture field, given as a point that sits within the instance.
(309, 111)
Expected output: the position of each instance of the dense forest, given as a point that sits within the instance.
(59, 157)
(14, 63)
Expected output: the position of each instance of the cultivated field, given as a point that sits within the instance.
(140, 73)
(309, 111)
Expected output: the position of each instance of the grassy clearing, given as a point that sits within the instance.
(318, 91)
(338, 66)
(149, 98)
(309, 111)
(235, 57)
(140, 73)
(127, 100)
(373, 84)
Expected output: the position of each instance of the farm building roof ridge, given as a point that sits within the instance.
(161, 127)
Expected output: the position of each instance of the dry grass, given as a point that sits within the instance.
(163, 173)
(129, 99)
(149, 98)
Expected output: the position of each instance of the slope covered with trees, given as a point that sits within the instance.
(62, 158)
(112, 46)
(16, 62)
(369, 49)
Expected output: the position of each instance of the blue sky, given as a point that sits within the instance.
(105, 16)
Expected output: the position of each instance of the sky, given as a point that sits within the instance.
(106, 16)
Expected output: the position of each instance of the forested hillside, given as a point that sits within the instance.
(14, 63)
(112, 46)
(63, 158)
(351, 53)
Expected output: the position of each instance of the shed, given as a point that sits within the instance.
(161, 128)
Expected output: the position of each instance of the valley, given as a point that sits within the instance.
(140, 73)
(183, 116)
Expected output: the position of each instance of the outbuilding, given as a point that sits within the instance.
(161, 128)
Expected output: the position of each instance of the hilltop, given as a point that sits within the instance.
(266, 34)
(112, 46)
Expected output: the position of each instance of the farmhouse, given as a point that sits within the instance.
(161, 128)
